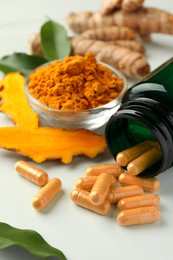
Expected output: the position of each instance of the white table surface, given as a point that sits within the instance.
(80, 234)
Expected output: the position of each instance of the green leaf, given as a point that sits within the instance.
(20, 62)
(30, 240)
(54, 40)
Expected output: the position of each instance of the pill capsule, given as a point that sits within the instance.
(126, 156)
(138, 216)
(112, 168)
(148, 184)
(100, 188)
(46, 194)
(139, 201)
(154, 144)
(144, 161)
(81, 197)
(117, 193)
(31, 173)
(87, 182)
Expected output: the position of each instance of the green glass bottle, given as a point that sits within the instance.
(146, 113)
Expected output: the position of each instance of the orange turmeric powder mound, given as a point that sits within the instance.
(77, 83)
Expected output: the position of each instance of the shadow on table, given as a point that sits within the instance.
(18, 253)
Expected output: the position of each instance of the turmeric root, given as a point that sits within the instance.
(132, 5)
(110, 33)
(14, 102)
(34, 43)
(46, 143)
(109, 6)
(117, 35)
(133, 64)
(144, 21)
(132, 45)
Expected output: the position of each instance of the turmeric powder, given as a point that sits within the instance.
(77, 83)
(131, 63)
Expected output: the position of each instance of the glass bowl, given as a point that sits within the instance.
(90, 119)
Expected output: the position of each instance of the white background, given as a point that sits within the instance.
(80, 234)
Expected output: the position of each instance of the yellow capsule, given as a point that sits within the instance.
(31, 173)
(81, 197)
(138, 216)
(139, 201)
(144, 161)
(46, 194)
(154, 144)
(87, 182)
(126, 156)
(148, 184)
(100, 188)
(117, 193)
(111, 168)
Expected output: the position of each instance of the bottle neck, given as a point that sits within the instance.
(139, 120)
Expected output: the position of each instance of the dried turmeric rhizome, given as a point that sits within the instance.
(40, 143)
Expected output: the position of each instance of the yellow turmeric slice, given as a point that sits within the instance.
(14, 102)
(44, 143)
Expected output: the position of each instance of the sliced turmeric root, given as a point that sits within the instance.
(46, 143)
(14, 102)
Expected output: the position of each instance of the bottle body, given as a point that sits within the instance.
(146, 113)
